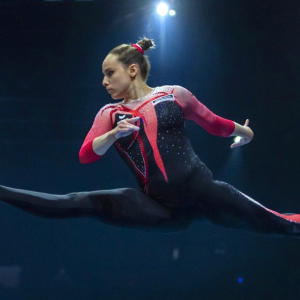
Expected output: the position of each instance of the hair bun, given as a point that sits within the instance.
(146, 44)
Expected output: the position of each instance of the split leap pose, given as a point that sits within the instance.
(147, 129)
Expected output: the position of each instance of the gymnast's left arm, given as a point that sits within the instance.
(244, 132)
(194, 110)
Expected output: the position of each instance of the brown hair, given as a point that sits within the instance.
(127, 55)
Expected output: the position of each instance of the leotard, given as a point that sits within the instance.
(176, 187)
(160, 154)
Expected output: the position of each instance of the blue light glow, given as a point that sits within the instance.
(172, 12)
(162, 9)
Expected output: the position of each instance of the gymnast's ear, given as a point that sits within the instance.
(133, 70)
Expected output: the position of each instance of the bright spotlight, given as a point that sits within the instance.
(237, 139)
(162, 9)
(172, 12)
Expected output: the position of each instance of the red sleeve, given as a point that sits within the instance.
(194, 110)
(101, 125)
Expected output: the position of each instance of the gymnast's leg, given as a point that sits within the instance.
(224, 205)
(121, 207)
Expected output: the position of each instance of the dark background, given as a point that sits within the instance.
(239, 57)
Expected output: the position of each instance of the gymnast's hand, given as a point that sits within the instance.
(125, 127)
(103, 142)
(244, 132)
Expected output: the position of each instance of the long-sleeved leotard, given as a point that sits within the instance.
(160, 154)
(176, 186)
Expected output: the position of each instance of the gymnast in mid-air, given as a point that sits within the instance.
(147, 127)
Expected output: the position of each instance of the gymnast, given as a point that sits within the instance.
(146, 126)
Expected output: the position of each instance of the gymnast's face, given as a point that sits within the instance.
(118, 78)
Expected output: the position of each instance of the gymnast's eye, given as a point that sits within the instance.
(110, 73)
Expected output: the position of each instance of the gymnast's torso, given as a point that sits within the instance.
(160, 153)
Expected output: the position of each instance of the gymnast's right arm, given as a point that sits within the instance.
(124, 128)
(102, 136)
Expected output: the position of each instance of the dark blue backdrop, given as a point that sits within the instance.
(239, 57)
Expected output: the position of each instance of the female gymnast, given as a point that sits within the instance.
(147, 129)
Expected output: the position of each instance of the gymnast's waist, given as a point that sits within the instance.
(183, 190)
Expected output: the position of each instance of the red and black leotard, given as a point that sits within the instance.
(160, 154)
(177, 187)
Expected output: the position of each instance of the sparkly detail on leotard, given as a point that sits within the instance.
(177, 187)
(162, 136)
(136, 157)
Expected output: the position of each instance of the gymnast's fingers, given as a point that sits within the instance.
(125, 126)
(133, 120)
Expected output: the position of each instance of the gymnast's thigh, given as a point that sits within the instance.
(130, 207)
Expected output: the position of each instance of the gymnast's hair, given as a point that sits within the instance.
(128, 54)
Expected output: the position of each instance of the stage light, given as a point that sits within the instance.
(175, 253)
(162, 9)
(237, 139)
(172, 12)
(10, 276)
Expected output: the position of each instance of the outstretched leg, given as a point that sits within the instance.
(224, 205)
(122, 207)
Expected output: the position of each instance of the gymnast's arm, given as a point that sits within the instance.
(102, 136)
(244, 132)
(125, 127)
(194, 110)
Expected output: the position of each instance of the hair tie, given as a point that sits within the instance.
(138, 47)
